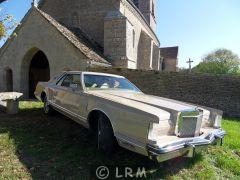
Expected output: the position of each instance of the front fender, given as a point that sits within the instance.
(130, 125)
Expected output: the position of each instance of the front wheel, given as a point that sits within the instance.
(47, 109)
(105, 136)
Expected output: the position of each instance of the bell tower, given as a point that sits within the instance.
(148, 9)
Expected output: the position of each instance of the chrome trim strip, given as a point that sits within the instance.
(125, 139)
(68, 112)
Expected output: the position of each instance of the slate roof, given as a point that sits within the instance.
(78, 39)
(169, 52)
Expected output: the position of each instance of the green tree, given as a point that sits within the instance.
(221, 61)
(2, 30)
(183, 70)
(6, 23)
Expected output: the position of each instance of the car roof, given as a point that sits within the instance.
(93, 73)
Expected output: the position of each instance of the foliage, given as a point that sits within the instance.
(183, 70)
(221, 61)
(2, 30)
(34, 146)
(7, 23)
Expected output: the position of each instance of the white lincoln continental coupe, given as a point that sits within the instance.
(120, 114)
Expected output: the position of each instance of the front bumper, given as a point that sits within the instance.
(186, 148)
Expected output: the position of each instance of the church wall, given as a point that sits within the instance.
(90, 16)
(144, 60)
(156, 58)
(119, 41)
(148, 9)
(86, 14)
(56, 9)
(131, 45)
(134, 18)
(2, 79)
(37, 34)
(139, 44)
(170, 64)
(153, 23)
(115, 39)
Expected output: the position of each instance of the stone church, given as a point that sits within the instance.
(58, 35)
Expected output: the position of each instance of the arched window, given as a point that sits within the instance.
(9, 80)
(75, 20)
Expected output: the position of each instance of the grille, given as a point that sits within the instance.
(189, 123)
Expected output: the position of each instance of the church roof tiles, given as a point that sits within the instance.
(83, 45)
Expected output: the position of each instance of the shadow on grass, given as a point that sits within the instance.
(57, 147)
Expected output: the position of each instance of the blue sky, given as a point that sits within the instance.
(196, 26)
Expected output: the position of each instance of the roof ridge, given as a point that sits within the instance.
(169, 47)
(87, 51)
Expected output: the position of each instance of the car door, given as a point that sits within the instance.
(56, 92)
(70, 97)
(53, 90)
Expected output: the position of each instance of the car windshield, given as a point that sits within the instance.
(104, 82)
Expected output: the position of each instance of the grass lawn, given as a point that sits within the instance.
(33, 146)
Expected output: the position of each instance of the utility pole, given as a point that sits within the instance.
(190, 64)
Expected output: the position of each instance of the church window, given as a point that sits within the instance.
(75, 20)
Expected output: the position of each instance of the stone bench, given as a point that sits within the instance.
(10, 100)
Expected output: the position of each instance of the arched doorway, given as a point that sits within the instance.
(9, 79)
(38, 71)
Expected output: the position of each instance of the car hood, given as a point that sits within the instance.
(159, 102)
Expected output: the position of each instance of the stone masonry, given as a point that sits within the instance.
(118, 27)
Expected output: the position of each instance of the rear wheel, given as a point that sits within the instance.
(105, 137)
(47, 109)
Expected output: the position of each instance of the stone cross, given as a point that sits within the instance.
(190, 64)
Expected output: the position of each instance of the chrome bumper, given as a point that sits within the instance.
(186, 148)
